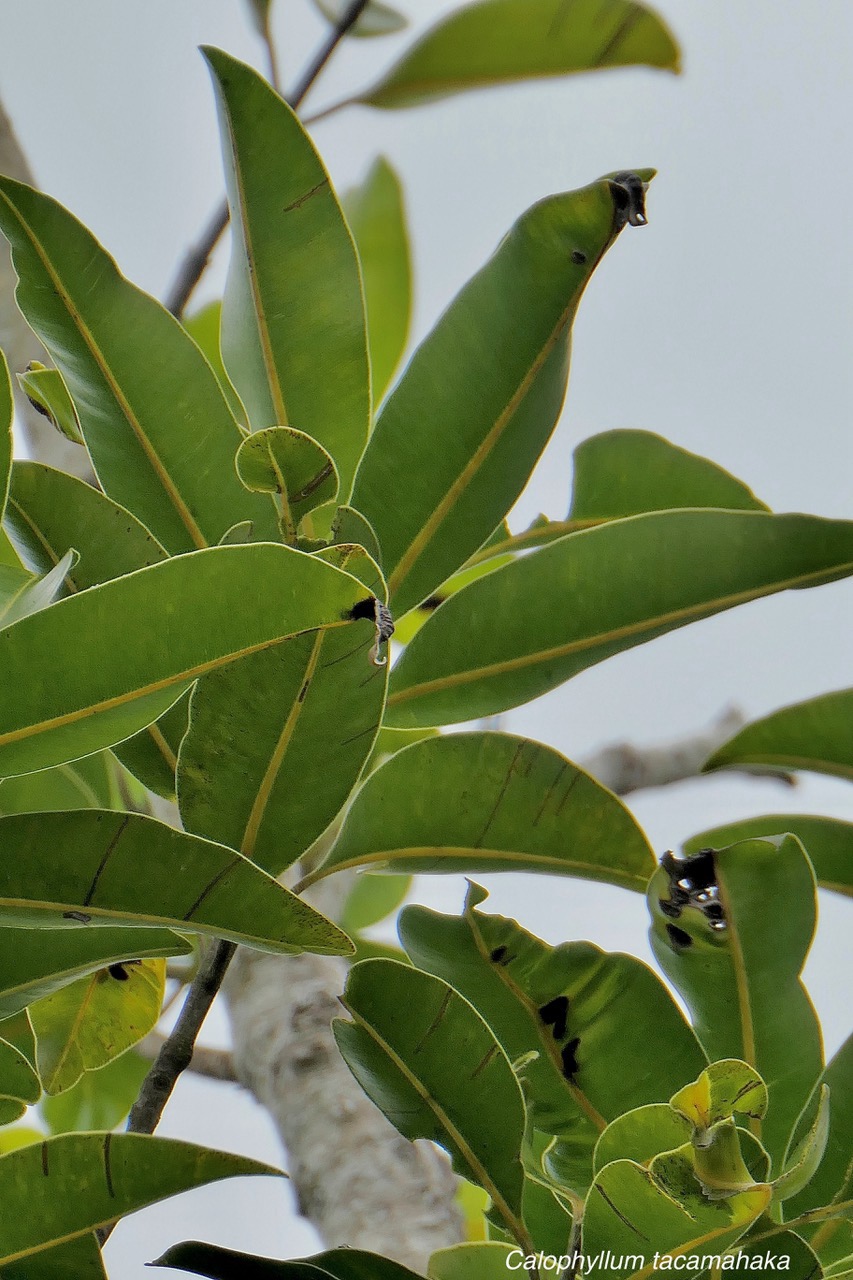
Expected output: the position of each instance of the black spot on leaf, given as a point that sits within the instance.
(497, 955)
(556, 1014)
(569, 1059)
(679, 938)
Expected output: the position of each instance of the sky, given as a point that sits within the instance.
(724, 325)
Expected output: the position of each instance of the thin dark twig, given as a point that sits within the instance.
(177, 1050)
(195, 263)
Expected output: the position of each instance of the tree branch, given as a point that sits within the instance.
(196, 261)
(213, 1064)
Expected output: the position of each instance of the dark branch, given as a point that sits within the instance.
(195, 263)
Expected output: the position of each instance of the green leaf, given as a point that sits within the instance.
(377, 217)
(479, 802)
(482, 394)
(49, 511)
(278, 740)
(725, 1089)
(577, 1008)
(637, 1212)
(7, 413)
(86, 784)
(801, 1262)
(833, 1180)
(641, 1134)
(624, 473)
(738, 967)
(815, 735)
(293, 328)
(120, 654)
(36, 963)
(37, 593)
(433, 1066)
(19, 1084)
(804, 1163)
(377, 19)
(47, 393)
(80, 1259)
(482, 1261)
(827, 841)
(67, 1186)
(135, 376)
(86, 1025)
(224, 1264)
(371, 899)
(203, 326)
(152, 755)
(588, 596)
(289, 464)
(93, 867)
(100, 1099)
(499, 41)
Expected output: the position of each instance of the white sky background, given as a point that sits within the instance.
(725, 325)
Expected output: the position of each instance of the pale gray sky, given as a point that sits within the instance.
(725, 326)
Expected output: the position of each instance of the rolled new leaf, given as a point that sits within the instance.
(481, 395)
(479, 802)
(500, 41)
(157, 426)
(47, 393)
(97, 867)
(433, 1066)
(293, 328)
(528, 627)
(815, 735)
(65, 1187)
(120, 654)
(833, 1180)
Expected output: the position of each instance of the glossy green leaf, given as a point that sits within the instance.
(19, 1084)
(36, 594)
(377, 19)
(36, 963)
(204, 326)
(834, 1177)
(86, 784)
(478, 802)
(641, 1134)
(488, 1260)
(588, 596)
(120, 654)
(827, 841)
(624, 473)
(67, 1186)
(805, 1160)
(95, 867)
(100, 1099)
(740, 974)
(78, 1259)
(8, 555)
(637, 1212)
(377, 217)
(7, 413)
(373, 898)
(349, 527)
(498, 41)
(815, 735)
(579, 1009)
(481, 395)
(293, 328)
(47, 393)
(224, 1264)
(278, 740)
(432, 1065)
(158, 429)
(89, 1023)
(289, 464)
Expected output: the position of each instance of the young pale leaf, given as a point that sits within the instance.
(80, 1259)
(224, 1264)
(68, 1186)
(377, 218)
(120, 654)
(87, 1024)
(731, 930)
(641, 1134)
(498, 41)
(816, 735)
(278, 740)
(293, 328)
(36, 963)
(805, 1160)
(289, 464)
(37, 593)
(636, 1212)
(158, 429)
(377, 19)
(478, 802)
(576, 1008)
(99, 1100)
(535, 623)
(7, 412)
(19, 1084)
(624, 473)
(833, 1180)
(47, 393)
(481, 395)
(827, 841)
(97, 867)
(432, 1065)
(725, 1089)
